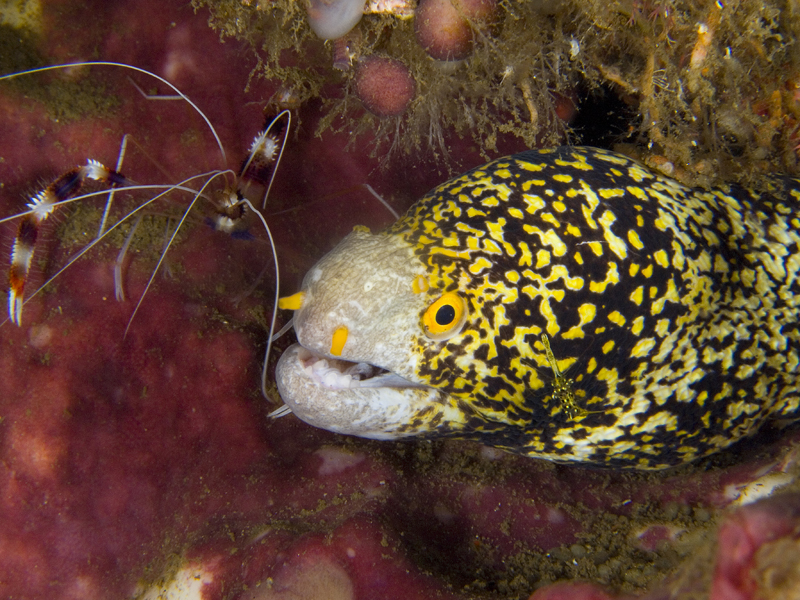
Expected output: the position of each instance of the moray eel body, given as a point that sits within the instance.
(565, 304)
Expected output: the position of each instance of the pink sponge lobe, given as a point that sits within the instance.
(384, 85)
(445, 27)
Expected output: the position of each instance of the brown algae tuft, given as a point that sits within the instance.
(713, 88)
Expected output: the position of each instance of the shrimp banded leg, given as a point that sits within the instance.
(41, 206)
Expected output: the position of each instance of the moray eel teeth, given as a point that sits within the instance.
(563, 304)
(351, 398)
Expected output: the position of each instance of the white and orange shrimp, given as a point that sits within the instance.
(221, 190)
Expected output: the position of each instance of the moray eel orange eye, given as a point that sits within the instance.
(444, 318)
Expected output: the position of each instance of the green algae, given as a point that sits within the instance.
(65, 98)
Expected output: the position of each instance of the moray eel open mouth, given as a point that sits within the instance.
(336, 374)
(348, 397)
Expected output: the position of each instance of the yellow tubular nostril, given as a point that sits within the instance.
(292, 302)
(339, 338)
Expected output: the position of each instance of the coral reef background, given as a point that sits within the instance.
(145, 465)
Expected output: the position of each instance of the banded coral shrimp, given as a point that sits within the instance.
(115, 450)
(221, 189)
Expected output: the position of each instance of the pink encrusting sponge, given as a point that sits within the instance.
(446, 28)
(384, 85)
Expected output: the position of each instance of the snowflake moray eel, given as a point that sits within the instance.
(564, 304)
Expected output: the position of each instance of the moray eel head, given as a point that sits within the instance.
(354, 370)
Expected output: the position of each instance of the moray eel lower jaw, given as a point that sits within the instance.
(355, 398)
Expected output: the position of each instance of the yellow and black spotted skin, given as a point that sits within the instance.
(611, 316)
